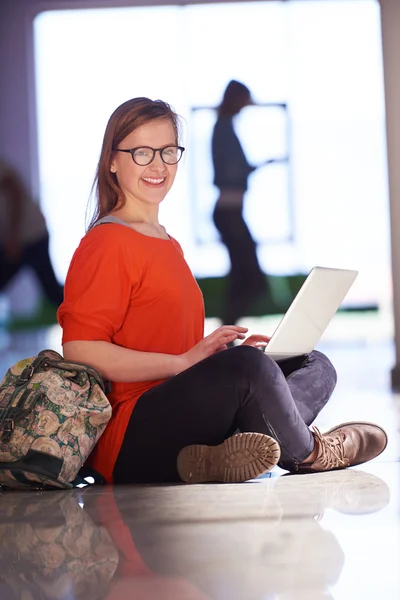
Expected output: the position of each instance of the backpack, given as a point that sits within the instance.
(52, 412)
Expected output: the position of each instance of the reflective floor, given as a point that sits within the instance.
(308, 537)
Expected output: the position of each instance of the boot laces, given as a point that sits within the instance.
(331, 450)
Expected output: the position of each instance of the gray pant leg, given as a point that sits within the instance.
(288, 406)
(312, 385)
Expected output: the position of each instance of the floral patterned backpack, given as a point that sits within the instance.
(52, 412)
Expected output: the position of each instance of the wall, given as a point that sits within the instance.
(390, 17)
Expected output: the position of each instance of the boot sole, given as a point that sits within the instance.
(239, 458)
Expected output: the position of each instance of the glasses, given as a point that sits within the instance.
(144, 155)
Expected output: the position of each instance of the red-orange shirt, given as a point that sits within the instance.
(137, 292)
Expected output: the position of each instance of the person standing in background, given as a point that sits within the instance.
(24, 240)
(247, 282)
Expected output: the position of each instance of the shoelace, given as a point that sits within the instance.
(331, 451)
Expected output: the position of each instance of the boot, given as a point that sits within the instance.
(344, 446)
(239, 458)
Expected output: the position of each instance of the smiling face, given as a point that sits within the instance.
(150, 184)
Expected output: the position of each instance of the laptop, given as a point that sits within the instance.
(310, 312)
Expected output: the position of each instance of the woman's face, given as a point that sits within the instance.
(146, 184)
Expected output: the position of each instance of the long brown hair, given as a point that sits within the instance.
(126, 118)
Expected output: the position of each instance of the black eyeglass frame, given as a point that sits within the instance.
(154, 150)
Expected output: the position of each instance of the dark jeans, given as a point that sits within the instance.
(246, 281)
(237, 389)
(37, 257)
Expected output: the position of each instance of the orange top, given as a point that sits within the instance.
(108, 515)
(137, 292)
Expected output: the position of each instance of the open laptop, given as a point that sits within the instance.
(310, 312)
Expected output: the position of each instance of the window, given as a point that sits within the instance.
(319, 209)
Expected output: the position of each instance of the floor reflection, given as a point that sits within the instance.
(182, 542)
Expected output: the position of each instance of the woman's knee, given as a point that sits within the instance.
(247, 362)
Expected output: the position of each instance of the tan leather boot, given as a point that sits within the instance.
(239, 458)
(344, 446)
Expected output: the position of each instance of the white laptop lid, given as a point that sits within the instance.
(310, 312)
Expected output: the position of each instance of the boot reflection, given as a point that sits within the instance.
(349, 491)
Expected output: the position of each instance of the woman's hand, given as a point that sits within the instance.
(215, 342)
(256, 340)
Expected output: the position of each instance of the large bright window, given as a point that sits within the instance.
(321, 60)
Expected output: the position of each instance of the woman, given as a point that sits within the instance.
(246, 280)
(133, 311)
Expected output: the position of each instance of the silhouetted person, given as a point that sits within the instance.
(247, 281)
(24, 240)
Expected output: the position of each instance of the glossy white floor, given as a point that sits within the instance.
(310, 537)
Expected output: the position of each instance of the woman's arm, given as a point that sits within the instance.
(121, 364)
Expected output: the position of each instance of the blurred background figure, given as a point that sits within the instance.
(24, 240)
(246, 282)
